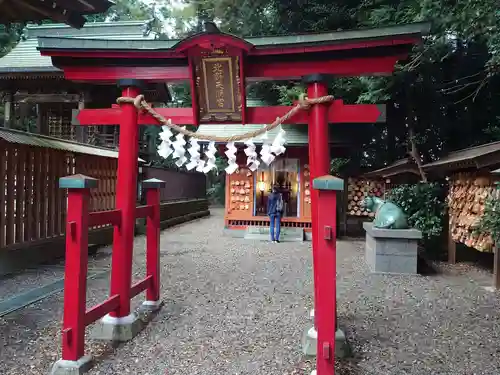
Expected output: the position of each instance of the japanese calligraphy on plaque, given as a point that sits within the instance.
(218, 88)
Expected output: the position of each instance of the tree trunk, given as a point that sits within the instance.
(414, 150)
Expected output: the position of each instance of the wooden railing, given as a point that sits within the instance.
(32, 206)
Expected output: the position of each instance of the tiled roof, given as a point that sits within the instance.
(36, 140)
(406, 165)
(295, 134)
(50, 42)
(478, 156)
(26, 58)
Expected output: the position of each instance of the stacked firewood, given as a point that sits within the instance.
(467, 196)
(358, 190)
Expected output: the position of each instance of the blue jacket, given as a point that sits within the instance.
(272, 204)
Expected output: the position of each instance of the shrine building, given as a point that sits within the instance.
(247, 192)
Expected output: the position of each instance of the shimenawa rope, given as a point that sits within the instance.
(304, 104)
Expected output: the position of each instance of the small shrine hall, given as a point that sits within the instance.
(247, 191)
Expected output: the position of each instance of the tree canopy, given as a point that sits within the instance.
(443, 98)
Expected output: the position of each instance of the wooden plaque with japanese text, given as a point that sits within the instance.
(218, 88)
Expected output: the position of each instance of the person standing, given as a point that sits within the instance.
(274, 211)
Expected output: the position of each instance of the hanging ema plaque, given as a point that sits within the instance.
(218, 88)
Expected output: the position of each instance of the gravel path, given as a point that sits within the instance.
(237, 307)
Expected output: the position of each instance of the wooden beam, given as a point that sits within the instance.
(65, 16)
(8, 109)
(338, 113)
(496, 268)
(346, 67)
(255, 71)
(87, 5)
(46, 98)
(81, 132)
(452, 246)
(111, 74)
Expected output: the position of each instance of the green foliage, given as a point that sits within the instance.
(424, 204)
(490, 221)
(128, 10)
(337, 164)
(217, 193)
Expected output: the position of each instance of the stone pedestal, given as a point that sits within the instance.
(310, 342)
(117, 329)
(79, 367)
(391, 250)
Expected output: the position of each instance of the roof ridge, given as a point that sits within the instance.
(133, 28)
(47, 137)
(87, 25)
(473, 147)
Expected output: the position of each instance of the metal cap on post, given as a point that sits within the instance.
(328, 182)
(131, 82)
(153, 183)
(315, 78)
(77, 181)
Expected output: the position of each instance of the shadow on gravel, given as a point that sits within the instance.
(425, 267)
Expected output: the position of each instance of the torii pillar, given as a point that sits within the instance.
(324, 286)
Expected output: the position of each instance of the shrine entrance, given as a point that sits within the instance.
(218, 67)
(283, 173)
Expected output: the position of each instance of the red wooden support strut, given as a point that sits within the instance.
(123, 239)
(75, 281)
(326, 188)
(152, 187)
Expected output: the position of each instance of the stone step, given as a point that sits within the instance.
(262, 234)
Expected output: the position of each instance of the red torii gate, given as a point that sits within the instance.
(218, 67)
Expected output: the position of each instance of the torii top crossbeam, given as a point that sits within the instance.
(225, 62)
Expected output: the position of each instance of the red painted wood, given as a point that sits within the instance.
(212, 41)
(75, 280)
(345, 67)
(144, 211)
(123, 239)
(275, 70)
(141, 286)
(153, 245)
(243, 89)
(338, 112)
(319, 160)
(111, 74)
(113, 217)
(324, 312)
(194, 97)
(111, 116)
(98, 311)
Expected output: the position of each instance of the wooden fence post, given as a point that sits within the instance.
(75, 280)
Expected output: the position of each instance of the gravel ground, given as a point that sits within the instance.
(26, 280)
(238, 307)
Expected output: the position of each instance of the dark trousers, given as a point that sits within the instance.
(275, 226)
